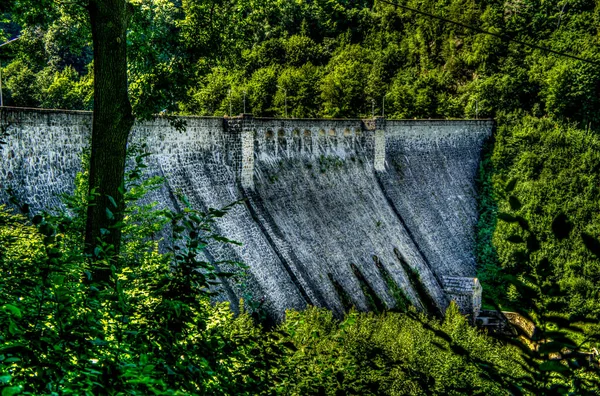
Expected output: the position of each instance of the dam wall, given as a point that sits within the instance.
(335, 213)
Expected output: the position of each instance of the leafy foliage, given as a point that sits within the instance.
(544, 177)
(559, 356)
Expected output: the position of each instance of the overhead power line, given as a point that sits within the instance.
(10, 41)
(502, 36)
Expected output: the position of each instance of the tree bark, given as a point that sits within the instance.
(111, 123)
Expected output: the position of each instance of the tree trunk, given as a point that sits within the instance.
(111, 124)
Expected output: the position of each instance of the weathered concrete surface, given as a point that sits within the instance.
(430, 179)
(324, 199)
(42, 154)
(201, 163)
(316, 190)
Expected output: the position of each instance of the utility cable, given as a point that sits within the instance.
(9, 41)
(501, 36)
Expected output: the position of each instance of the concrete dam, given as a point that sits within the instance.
(335, 213)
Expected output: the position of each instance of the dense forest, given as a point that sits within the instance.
(330, 58)
(537, 238)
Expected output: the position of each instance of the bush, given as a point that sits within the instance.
(261, 90)
(394, 354)
(64, 91)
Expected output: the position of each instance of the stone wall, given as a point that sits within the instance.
(42, 154)
(430, 179)
(465, 292)
(331, 208)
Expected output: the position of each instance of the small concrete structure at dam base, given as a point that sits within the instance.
(331, 207)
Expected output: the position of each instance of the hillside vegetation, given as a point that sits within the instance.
(331, 57)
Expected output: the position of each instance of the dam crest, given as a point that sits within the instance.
(336, 212)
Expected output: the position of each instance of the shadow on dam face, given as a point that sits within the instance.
(372, 214)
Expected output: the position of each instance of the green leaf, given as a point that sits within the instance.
(507, 217)
(109, 214)
(514, 203)
(99, 342)
(12, 309)
(591, 244)
(112, 201)
(225, 240)
(12, 390)
(118, 224)
(561, 227)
